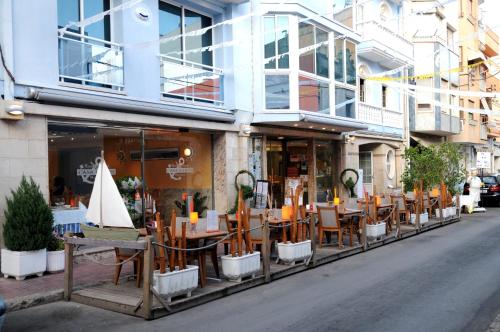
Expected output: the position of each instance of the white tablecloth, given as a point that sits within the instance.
(69, 219)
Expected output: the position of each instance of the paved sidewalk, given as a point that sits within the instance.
(37, 290)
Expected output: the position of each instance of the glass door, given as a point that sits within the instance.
(365, 163)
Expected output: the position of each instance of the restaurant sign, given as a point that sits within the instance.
(88, 171)
(175, 171)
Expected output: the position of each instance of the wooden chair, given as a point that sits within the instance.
(329, 221)
(402, 206)
(352, 224)
(256, 219)
(122, 255)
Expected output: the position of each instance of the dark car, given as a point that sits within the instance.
(3, 308)
(490, 189)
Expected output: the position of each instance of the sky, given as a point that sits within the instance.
(490, 10)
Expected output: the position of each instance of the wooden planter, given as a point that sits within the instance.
(374, 231)
(20, 264)
(424, 218)
(292, 252)
(55, 261)
(236, 268)
(178, 282)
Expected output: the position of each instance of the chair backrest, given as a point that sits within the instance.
(351, 203)
(399, 200)
(255, 221)
(328, 217)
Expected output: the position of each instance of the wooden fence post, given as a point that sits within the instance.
(312, 236)
(148, 279)
(266, 251)
(398, 221)
(68, 269)
(364, 241)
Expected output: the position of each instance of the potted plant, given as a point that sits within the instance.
(238, 264)
(55, 254)
(27, 232)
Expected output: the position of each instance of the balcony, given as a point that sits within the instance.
(384, 46)
(191, 82)
(381, 119)
(90, 61)
(491, 43)
(432, 123)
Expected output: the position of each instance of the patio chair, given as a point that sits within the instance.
(402, 207)
(353, 224)
(123, 254)
(427, 203)
(255, 220)
(329, 221)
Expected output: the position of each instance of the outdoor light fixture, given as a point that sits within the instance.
(188, 152)
(245, 130)
(12, 110)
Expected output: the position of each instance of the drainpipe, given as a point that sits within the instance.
(6, 41)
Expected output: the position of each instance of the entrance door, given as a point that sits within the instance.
(365, 163)
(286, 158)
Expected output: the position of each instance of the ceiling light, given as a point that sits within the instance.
(72, 138)
(311, 127)
(281, 137)
(323, 128)
(296, 125)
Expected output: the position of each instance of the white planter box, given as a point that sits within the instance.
(424, 218)
(235, 268)
(375, 230)
(445, 213)
(452, 212)
(55, 261)
(20, 264)
(292, 252)
(178, 282)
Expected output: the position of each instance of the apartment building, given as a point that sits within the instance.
(433, 30)
(384, 52)
(182, 95)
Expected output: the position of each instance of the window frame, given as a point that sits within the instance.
(183, 38)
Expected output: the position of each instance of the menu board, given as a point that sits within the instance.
(261, 192)
(212, 221)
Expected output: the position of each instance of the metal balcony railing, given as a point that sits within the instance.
(191, 81)
(90, 61)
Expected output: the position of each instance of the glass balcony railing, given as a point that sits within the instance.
(90, 61)
(191, 81)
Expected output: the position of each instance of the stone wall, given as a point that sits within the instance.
(23, 150)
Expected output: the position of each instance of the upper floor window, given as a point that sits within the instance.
(276, 42)
(86, 54)
(176, 22)
(385, 12)
(343, 12)
(313, 50)
(345, 61)
(78, 10)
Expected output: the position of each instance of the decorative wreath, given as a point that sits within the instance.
(344, 172)
(236, 185)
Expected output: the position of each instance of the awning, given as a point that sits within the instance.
(306, 120)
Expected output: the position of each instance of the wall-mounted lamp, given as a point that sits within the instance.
(188, 152)
(11, 110)
(245, 130)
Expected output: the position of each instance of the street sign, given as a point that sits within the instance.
(483, 160)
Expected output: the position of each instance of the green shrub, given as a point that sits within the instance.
(28, 219)
(55, 244)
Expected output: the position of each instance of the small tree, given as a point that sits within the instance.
(422, 163)
(453, 172)
(28, 219)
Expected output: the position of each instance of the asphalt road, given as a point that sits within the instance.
(444, 280)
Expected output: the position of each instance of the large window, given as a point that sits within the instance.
(277, 92)
(339, 59)
(314, 95)
(176, 21)
(350, 59)
(313, 55)
(77, 10)
(345, 61)
(276, 42)
(174, 166)
(345, 105)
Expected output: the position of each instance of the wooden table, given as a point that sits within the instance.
(203, 235)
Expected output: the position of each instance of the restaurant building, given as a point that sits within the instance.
(265, 87)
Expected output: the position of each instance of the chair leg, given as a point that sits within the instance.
(226, 248)
(139, 271)
(320, 237)
(118, 270)
(341, 240)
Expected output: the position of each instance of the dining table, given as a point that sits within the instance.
(194, 238)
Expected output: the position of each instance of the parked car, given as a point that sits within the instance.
(490, 189)
(3, 309)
